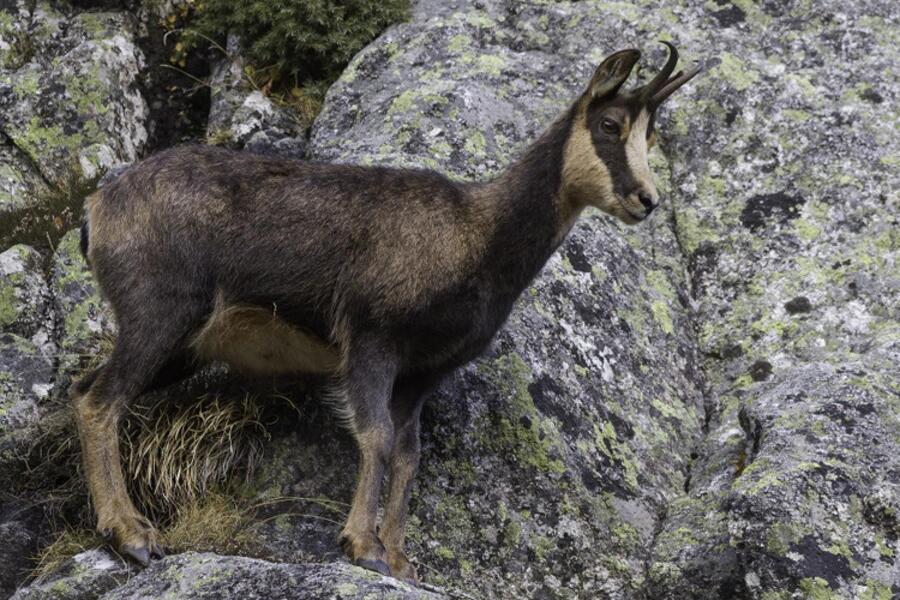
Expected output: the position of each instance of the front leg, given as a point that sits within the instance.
(369, 379)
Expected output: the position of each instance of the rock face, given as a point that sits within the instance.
(84, 323)
(705, 406)
(86, 575)
(788, 217)
(27, 365)
(68, 96)
(98, 574)
(244, 118)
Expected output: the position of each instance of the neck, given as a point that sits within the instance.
(525, 207)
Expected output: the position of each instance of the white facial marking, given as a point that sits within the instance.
(636, 152)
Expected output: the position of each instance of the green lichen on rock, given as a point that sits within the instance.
(85, 323)
(193, 575)
(75, 103)
(521, 433)
(23, 291)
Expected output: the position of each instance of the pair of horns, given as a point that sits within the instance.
(613, 72)
(662, 86)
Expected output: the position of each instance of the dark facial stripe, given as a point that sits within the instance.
(611, 150)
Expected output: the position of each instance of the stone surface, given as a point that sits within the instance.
(69, 101)
(27, 373)
(86, 575)
(27, 349)
(19, 525)
(97, 574)
(242, 117)
(15, 46)
(24, 295)
(789, 191)
(20, 182)
(26, 378)
(84, 322)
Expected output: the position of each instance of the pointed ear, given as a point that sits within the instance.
(613, 72)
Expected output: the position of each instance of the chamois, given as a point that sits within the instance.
(383, 279)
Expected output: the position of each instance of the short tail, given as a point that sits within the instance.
(110, 176)
(85, 236)
(86, 211)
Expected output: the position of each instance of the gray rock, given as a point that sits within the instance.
(97, 574)
(27, 350)
(19, 526)
(192, 575)
(662, 417)
(85, 324)
(21, 185)
(788, 190)
(73, 103)
(242, 117)
(24, 295)
(26, 380)
(422, 10)
(228, 87)
(84, 576)
(15, 46)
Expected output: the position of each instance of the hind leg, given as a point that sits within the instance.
(117, 518)
(369, 379)
(406, 408)
(139, 354)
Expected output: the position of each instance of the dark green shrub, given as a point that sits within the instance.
(296, 42)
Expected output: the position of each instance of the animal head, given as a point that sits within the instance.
(605, 163)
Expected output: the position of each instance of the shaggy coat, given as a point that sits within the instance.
(384, 279)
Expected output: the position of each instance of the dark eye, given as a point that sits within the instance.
(609, 126)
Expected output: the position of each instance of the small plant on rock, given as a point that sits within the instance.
(294, 49)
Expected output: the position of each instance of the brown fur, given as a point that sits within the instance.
(386, 279)
(257, 342)
(117, 518)
(586, 179)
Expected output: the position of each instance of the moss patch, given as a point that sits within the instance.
(519, 431)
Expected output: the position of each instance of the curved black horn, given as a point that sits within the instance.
(673, 84)
(650, 89)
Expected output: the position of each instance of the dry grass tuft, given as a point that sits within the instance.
(305, 102)
(66, 545)
(49, 466)
(217, 523)
(175, 454)
(183, 454)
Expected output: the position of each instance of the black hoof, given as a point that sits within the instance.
(373, 565)
(344, 543)
(139, 553)
(157, 551)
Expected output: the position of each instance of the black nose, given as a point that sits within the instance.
(647, 201)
